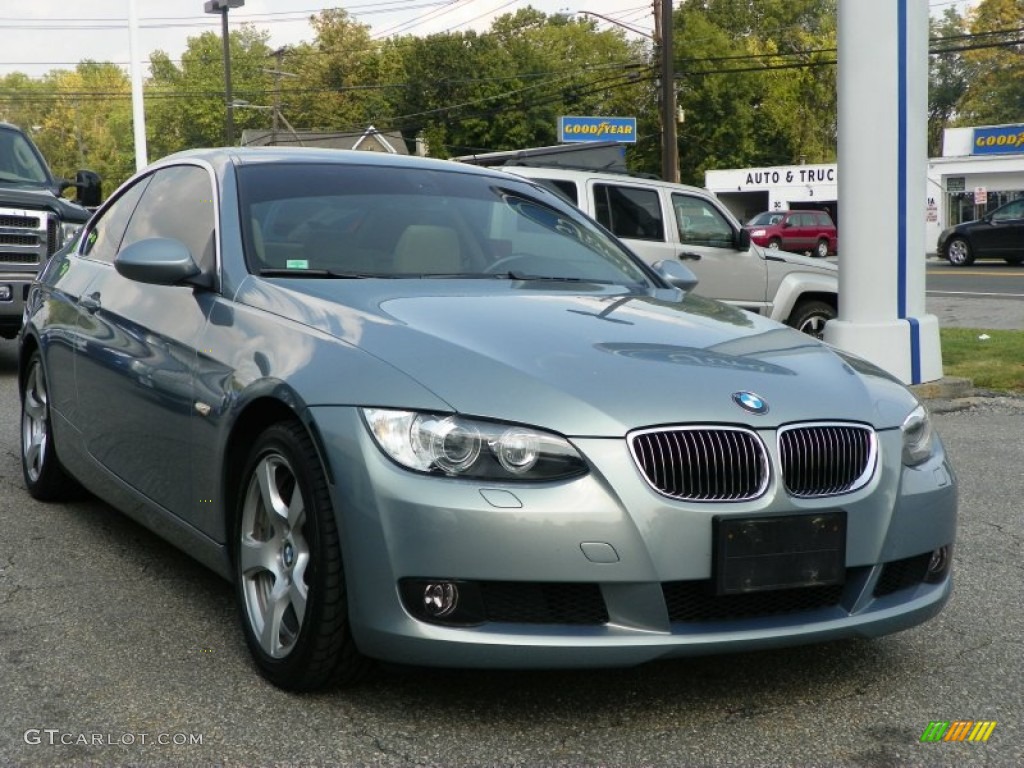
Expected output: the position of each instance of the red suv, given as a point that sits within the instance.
(800, 231)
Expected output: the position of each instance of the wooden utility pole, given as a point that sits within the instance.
(664, 47)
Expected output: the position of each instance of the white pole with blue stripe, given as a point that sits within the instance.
(883, 155)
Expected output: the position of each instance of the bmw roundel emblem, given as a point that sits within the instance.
(748, 401)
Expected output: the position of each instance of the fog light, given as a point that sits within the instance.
(939, 564)
(440, 599)
(5, 293)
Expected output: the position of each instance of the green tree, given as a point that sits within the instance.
(185, 104)
(947, 75)
(994, 65)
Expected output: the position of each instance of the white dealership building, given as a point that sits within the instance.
(980, 169)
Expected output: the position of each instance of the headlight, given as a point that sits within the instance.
(461, 447)
(68, 231)
(917, 437)
(759, 233)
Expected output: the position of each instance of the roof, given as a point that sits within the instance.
(371, 140)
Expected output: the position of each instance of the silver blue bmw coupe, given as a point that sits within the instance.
(429, 413)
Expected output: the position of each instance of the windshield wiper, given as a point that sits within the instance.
(513, 275)
(320, 273)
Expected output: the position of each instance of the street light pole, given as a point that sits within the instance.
(221, 7)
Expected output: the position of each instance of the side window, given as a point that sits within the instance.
(561, 187)
(1010, 212)
(105, 234)
(629, 212)
(700, 223)
(178, 203)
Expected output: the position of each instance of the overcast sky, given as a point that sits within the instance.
(40, 35)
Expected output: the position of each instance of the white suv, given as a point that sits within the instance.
(660, 220)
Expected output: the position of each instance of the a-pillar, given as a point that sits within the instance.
(883, 155)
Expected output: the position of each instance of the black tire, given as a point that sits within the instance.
(290, 583)
(810, 317)
(959, 253)
(821, 249)
(1014, 261)
(45, 477)
(775, 243)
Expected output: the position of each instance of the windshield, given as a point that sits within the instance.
(19, 160)
(341, 220)
(765, 219)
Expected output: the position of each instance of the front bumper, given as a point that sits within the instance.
(646, 557)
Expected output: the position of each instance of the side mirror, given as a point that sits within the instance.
(677, 275)
(89, 186)
(158, 261)
(743, 240)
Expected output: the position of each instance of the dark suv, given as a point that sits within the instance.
(800, 231)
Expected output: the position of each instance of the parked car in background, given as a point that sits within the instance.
(661, 220)
(429, 413)
(802, 231)
(996, 235)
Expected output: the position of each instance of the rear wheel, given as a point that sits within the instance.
(821, 249)
(290, 581)
(45, 477)
(810, 317)
(958, 251)
(1014, 261)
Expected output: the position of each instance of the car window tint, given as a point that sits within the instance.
(700, 223)
(178, 204)
(384, 222)
(107, 230)
(1009, 212)
(629, 212)
(562, 187)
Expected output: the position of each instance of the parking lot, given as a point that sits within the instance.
(116, 649)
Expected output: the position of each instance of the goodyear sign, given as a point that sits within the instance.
(574, 129)
(998, 140)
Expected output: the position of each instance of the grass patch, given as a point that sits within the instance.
(993, 363)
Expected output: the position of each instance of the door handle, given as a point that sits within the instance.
(90, 303)
(689, 256)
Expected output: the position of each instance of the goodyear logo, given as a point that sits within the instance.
(998, 140)
(958, 730)
(576, 129)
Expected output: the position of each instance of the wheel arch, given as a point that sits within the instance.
(258, 415)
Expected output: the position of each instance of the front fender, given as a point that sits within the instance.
(798, 285)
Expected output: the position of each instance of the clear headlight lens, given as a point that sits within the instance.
(918, 444)
(68, 231)
(460, 447)
(759, 232)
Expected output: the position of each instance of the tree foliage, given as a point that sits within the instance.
(755, 79)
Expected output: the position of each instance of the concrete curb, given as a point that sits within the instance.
(945, 388)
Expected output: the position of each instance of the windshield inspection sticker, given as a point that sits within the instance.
(297, 264)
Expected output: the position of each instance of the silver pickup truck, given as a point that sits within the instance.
(661, 220)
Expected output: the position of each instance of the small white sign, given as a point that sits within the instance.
(980, 196)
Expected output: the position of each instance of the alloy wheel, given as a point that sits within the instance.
(35, 422)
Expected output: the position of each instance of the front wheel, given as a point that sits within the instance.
(958, 252)
(288, 570)
(45, 477)
(775, 243)
(810, 317)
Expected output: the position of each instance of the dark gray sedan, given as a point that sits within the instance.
(429, 413)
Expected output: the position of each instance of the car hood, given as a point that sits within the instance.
(41, 199)
(587, 363)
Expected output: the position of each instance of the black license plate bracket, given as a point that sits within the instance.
(757, 554)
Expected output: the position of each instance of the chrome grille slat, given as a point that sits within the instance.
(702, 463)
(713, 463)
(826, 459)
